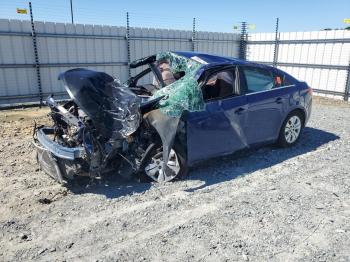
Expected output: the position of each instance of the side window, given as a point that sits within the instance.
(219, 85)
(257, 79)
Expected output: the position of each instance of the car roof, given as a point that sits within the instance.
(216, 59)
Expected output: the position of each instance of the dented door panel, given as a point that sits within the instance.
(218, 130)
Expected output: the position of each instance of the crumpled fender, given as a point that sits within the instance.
(166, 126)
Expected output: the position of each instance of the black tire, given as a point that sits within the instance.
(285, 140)
(158, 151)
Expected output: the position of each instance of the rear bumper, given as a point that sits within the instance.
(308, 108)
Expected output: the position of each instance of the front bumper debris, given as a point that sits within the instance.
(55, 148)
(54, 159)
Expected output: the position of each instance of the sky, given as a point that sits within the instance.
(213, 15)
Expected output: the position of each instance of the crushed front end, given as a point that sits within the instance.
(129, 129)
(96, 132)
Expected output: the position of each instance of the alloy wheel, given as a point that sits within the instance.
(155, 168)
(292, 129)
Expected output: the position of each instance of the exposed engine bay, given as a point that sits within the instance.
(110, 127)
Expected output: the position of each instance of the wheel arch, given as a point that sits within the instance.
(301, 111)
(295, 109)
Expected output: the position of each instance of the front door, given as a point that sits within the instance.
(217, 130)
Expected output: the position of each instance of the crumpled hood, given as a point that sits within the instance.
(113, 109)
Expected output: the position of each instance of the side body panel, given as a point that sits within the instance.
(235, 123)
(266, 112)
(305, 99)
(218, 130)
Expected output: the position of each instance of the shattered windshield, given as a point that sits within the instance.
(181, 87)
(163, 67)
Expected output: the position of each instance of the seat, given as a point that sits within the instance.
(225, 88)
(219, 86)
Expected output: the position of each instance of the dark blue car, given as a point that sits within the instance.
(182, 108)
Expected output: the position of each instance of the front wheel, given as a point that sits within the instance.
(176, 167)
(291, 129)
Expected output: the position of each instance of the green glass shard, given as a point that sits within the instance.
(184, 94)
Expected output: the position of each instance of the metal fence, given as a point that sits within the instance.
(321, 58)
(32, 54)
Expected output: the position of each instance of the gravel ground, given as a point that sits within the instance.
(265, 204)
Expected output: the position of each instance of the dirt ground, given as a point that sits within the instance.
(265, 204)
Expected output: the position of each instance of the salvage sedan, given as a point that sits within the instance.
(182, 108)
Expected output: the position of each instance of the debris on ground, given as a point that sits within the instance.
(267, 204)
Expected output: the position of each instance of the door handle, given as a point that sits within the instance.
(279, 100)
(239, 110)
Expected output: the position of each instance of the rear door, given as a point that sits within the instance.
(267, 104)
(217, 130)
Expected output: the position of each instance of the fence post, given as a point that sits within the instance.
(243, 42)
(71, 11)
(128, 41)
(36, 56)
(275, 50)
(193, 34)
(347, 85)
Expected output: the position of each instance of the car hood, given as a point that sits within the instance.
(113, 108)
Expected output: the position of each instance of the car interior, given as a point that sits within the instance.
(219, 85)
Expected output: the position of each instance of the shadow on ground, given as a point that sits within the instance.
(247, 162)
(112, 186)
(216, 170)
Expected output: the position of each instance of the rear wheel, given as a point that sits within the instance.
(291, 129)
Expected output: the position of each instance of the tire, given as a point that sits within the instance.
(291, 129)
(154, 161)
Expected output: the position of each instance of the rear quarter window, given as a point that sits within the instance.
(282, 79)
(288, 81)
